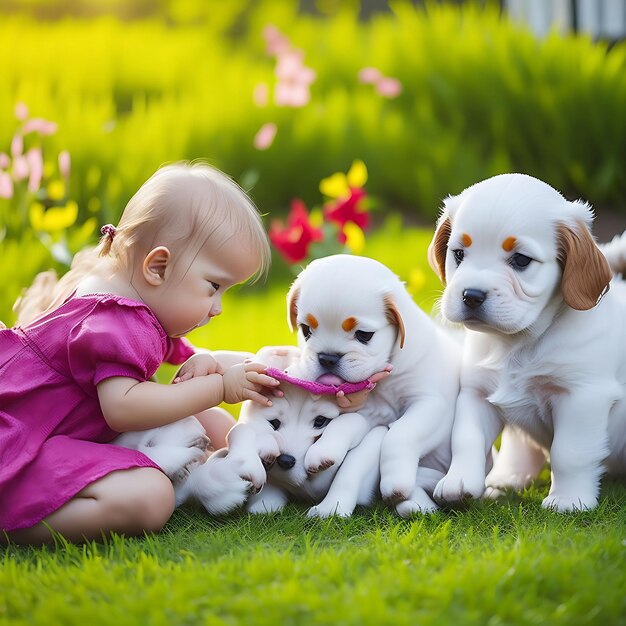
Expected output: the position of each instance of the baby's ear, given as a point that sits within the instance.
(155, 264)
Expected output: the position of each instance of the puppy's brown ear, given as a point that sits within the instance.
(394, 317)
(586, 272)
(439, 247)
(292, 306)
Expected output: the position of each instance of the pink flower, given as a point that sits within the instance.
(17, 145)
(292, 95)
(41, 126)
(385, 86)
(6, 185)
(64, 163)
(260, 95)
(294, 79)
(275, 41)
(369, 75)
(20, 167)
(35, 165)
(294, 239)
(5, 161)
(21, 111)
(389, 87)
(265, 136)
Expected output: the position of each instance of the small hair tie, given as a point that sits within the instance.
(108, 229)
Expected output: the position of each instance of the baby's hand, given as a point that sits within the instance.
(356, 400)
(201, 364)
(246, 381)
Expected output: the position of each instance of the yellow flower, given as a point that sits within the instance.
(417, 280)
(55, 218)
(355, 237)
(56, 190)
(339, 184)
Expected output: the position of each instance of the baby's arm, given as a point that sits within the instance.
(131, 405)
(204, 363)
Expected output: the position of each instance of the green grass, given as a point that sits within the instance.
(494, 563)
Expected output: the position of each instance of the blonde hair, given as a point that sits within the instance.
(182, 205)
(185, 205)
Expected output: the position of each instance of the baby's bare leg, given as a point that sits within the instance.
(216, 422)
(128, 502)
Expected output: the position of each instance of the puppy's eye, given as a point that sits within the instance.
(306, 330)
(519, 261)
(362, 336)
(275, 424)
(321, 421)
(459, 255)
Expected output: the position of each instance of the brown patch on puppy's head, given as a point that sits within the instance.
(586, 272)
(508, 244)
(439, 247)
(349, 323)
(394, 317)
(311, 320)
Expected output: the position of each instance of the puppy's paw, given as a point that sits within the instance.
(330, 509)
(268, 450)
(417, 506)
(251, 470)
(201, 442)
(396, 488)
(224, 483)
(493, 493)
(501, 482)
(270, 500)
(564, 503)
(455, 487)
(320, 457)
(231, 497)
(176, 462)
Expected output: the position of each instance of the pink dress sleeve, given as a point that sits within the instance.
(179, 349)
(115, 339)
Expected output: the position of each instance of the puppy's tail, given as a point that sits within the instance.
(615, 253)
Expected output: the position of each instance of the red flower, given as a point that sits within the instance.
(293, 240)
(345, 210)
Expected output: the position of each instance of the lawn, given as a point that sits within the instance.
(495, 563)
(507, 562)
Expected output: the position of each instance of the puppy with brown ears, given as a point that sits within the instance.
(353, 317)
(544, 345)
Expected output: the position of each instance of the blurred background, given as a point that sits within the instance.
(430, 96)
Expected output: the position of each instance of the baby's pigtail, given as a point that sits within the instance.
(106, 241)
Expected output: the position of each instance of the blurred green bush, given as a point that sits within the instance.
(480, 97)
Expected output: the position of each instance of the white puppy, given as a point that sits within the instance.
(544, 347)
(353, 317)
(296, 421)
(221, 482)
(176, 448)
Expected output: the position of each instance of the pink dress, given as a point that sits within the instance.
(53, 436)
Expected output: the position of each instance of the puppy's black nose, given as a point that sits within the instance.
(473, 298)
(286, 461)
(328, 360)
